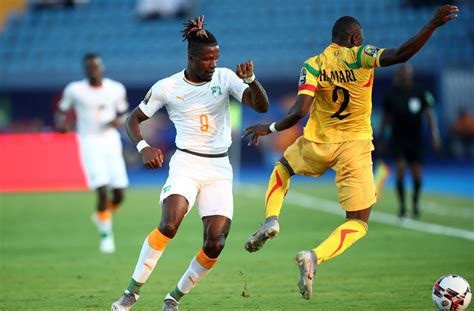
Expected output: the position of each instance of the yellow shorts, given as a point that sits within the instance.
(352, 162)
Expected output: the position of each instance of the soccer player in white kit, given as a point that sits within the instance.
(101, 106)
(197, 101)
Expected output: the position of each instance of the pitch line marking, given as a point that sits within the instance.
(331, 207)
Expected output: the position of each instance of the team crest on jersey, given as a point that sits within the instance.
(147, 97)
(302, 77)
(371, 50)
(216, 90)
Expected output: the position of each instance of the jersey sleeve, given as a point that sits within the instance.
(122, 103)
(368, 56)
(308, 82)
(153, 100)
(67, 100)
(236, 85)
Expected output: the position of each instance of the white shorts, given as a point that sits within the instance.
(205, 180)
(103, 161)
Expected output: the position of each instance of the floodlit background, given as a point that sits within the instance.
(45, 230)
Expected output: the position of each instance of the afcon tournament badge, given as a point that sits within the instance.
(147, 97)
(216, 90)
(371, 50)
(302, 79)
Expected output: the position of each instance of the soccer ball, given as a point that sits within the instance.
(451, 292)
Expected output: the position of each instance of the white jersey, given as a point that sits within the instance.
(199, 111)
(100, 144)
(95, 106)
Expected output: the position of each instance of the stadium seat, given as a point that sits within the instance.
(278, 35)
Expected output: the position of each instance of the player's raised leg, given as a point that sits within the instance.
(216, 230)
(173, 212)
(343, 237)
(277, 188)
(357, 194)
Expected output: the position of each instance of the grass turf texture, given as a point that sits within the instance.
(50, 258)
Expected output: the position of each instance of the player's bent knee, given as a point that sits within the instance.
(169, 230)
(286, 165)
(213, 247)
(361, 215)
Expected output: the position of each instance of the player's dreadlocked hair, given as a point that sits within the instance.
(342, 28)
(196, 35)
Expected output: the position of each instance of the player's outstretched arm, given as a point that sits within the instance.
(152, 157)
(254, 96)
(297, 112)
(442, 15)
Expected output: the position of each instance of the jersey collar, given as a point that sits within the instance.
(193, 83)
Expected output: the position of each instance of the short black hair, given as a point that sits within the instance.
(342, 28)
(89, 56)
(196, 35)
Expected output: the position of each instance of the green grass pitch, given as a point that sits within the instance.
(49, 258)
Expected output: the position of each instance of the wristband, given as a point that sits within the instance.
(250, 79)
(272, 127)
(142, 144)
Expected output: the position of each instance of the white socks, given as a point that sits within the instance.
(192, 276)
(146, 262)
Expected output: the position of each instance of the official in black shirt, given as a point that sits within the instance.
(403, 107)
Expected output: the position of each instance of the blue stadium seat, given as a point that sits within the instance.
(278, 35)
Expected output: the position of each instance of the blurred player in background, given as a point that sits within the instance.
(197, 101)
(336, 86)
(403, 108)
(101, 106)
